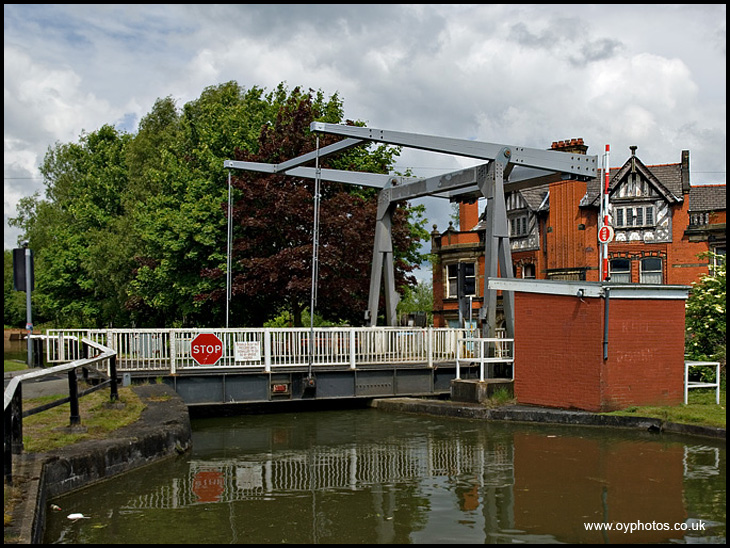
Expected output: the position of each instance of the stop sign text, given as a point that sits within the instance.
(206, 349)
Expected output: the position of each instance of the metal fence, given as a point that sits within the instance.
(163, 351)
(78, 351)
(485, 352)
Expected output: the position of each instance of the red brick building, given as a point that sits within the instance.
(577, 346)
(662, 225)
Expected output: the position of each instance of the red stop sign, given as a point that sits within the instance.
(206, 349)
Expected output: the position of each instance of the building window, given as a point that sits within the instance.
(518, 226)
(717, 259)
(651, 271)
(626, 217)
(528, 271)
(621, 270)
(468, 271)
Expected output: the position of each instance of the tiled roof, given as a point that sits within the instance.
(535, 196)
(707, 198)
(668, 175)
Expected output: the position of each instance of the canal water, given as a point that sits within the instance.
(369, 476)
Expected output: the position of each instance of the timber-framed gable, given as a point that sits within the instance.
(640, 204)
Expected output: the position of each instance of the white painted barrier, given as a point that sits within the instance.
(165, 351)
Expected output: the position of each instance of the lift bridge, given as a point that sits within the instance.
(506, 168)
(258, 365)
(264, 365)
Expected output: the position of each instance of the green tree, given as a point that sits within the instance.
(706, 315)
(176, 164)
(274, 224)
(132, 229)
(80, 250)
(418, 299)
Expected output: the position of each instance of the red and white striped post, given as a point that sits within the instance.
(604, 215)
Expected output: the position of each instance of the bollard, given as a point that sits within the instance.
(73, 394)
(113, 389)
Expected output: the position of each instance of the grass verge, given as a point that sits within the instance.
(49, 430)
(14, 365)
(701, 409)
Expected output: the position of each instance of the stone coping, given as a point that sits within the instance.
(532, 414)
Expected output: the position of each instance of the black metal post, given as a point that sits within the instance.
(16, 418)
(73, 394)
(7, 452)
(113, 393)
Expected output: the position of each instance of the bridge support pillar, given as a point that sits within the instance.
(474, 391)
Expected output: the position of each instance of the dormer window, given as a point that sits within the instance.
(518, 226)
(634, 216)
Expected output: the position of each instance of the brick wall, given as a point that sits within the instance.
(568, 239)
(683, 264)
(645, 363)
(559, 352)
(557, 341)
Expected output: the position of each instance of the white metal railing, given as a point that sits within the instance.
(484, 351)
(701, 384)
(13, 413)
(169, 350)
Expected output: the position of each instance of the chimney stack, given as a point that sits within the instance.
(576, 146)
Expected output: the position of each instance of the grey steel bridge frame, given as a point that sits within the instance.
(507, 168)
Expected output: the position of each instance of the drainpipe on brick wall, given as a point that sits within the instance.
(606, 296)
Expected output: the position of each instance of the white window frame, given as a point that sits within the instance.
(452, 280)
(621, 276)
(719, 252)
(519, 226)
(629, 216)
(651, 275)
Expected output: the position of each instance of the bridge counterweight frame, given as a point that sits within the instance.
(507, 168)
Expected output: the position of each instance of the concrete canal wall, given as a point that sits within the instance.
(162, 432)
(528, 413)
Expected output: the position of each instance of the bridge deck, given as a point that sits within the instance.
(260, 365)
(376, 381)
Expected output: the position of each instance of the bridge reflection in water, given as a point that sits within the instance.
(373, 477)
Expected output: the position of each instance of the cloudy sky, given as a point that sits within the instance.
(645, 75)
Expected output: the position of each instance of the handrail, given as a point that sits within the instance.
(482, 355)
(168, 351)
(700, 384)
(13, 398)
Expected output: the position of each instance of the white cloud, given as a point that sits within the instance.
(523, 75)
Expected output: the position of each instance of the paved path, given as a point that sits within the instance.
(48, 386)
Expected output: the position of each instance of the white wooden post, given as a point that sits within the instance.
(353, 342)
(429, 339)
(173, 352)
(267, 350)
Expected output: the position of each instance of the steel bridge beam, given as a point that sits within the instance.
(508, 168)
(563, 162)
